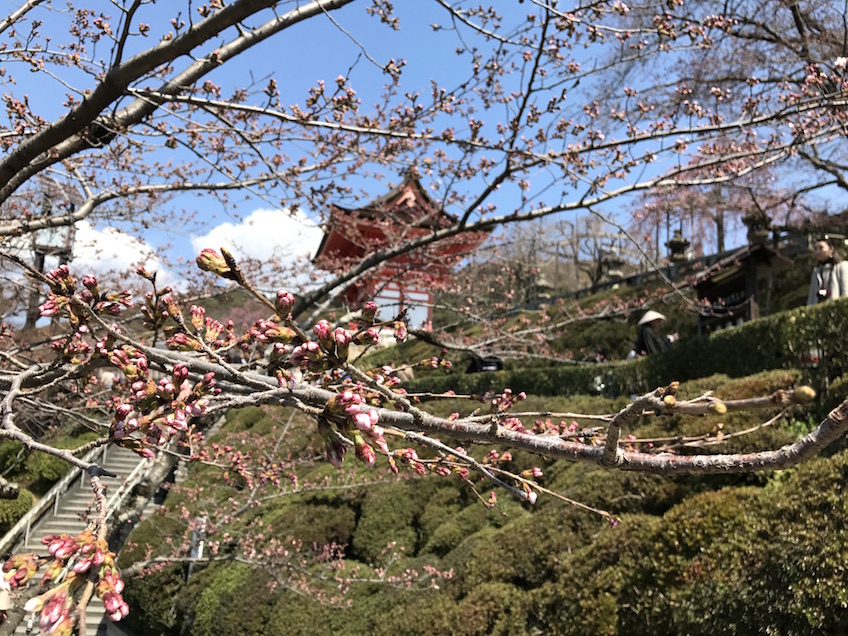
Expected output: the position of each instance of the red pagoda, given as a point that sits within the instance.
(405, 213)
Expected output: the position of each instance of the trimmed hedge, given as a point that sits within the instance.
(11, 510)
(781, 341)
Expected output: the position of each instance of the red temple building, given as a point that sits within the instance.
(404, 282)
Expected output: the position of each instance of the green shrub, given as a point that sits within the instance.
(155, 602)
(735, 561)
(492, 609)
(779, 341)
(456, 526)
(237, 600)
(244, 418)
(9, 454)
(40, 470)
(11, 510)
(312, 522)
(150, 539)
(388, 514)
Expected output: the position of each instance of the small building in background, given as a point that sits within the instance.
(405, 281)
(729, 287)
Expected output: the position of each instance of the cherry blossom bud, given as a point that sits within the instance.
(179, 374)
(365, 420)
(342, 338)
(400, 331)
(198, 408)
(198, 317)
(369, 312)
(323, 332)
(183, 342)
(376, 435)
(50, 307)
(364, 452)
(123, 411)
(90, 283)
(210, 260)
(284, 303)
(368, 337)
(335, 451)
(34, 604)
(276, 333)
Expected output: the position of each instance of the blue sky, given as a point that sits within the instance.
(318, 49)
(315, 50)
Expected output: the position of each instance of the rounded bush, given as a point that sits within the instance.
(11, 510)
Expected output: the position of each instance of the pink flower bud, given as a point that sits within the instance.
(90, 283)
(368, 337)
(210, 260)
(323, 332)
(123, 411)
(369, 311)
(49, 308)
(400, 331)
(284, 303)
(364, 420)
(198, 408)
(364, 452)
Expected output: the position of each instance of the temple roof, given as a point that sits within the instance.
(735, 263)
(407, 203)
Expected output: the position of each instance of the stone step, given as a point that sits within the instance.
(66, 519)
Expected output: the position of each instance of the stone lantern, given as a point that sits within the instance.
(759, 227)
(677, 246)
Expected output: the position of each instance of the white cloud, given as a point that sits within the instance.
(111, 251)
(264, 234)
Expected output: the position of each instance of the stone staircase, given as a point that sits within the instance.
(68, 516)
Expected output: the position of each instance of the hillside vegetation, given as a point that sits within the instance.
(705, 555)
(615, 553)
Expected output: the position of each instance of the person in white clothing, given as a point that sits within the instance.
(830, 275)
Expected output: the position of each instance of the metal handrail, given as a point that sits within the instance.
(133, 479)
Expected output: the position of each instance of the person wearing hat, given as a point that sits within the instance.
(647, 340)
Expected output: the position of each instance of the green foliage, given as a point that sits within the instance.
(492, 608)
(390, 511)
(234, 599)
(691, 555)
(454, 525)
(43, 470)
(244, 418)
(9, 452)
(151, 538)
(734, 561)
(312, 522)
(11, 510)
(40, 470)
(155, 602)
(780, 341)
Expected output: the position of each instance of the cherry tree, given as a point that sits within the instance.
(548, 108)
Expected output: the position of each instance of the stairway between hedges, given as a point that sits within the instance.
(68, 515)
